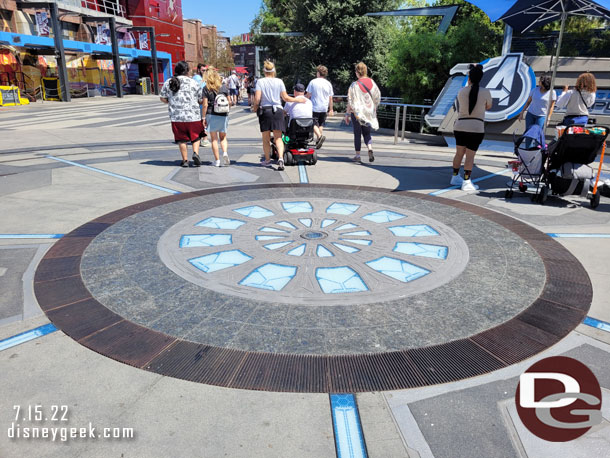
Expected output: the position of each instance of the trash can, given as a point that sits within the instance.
(144, 86)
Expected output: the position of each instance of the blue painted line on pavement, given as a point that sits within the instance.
(579, 236)
(31, 236)
(303, 174)
(115, 175)
(474, 180)
(349, 438)
(597, 324)
(27, 336)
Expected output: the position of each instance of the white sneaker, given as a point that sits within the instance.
(469, 186)
(217, 163)
(456, 180)
(226, 160)
(204, 142)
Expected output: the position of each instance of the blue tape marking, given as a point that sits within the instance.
(303, 174)
(579, 236)
(348, 429)
(27, 336)
(31, 236)
(476, 180)
(131, 180)
(597, 324)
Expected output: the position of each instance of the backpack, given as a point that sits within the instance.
(221, 104)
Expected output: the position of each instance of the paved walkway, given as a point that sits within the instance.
(63, 166)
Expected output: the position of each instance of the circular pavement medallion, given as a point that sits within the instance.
(312, 288)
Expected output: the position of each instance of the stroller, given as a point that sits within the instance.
(528, 169)
(569, 170)
(298, 140)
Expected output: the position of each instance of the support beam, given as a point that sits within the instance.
(447, 12)
(153, 52)
(60, 54)
(116, 60)
(508, 39)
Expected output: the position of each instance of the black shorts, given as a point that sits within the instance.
(470, 140)
(269, 120)
(319, 118)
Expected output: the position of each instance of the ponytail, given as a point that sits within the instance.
(475, 75)
(181, 69)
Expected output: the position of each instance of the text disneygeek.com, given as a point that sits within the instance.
(30, 422)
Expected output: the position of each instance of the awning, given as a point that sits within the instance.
(241, 69)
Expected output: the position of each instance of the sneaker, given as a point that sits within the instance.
(456, 180)
(469, 186)
(320, 142)
(280, 165)
(217, 163)
(226, 160)
(371, 156)
(184, 163)
(196, 160)
(266, 162)
(204, 142)
(357, 158)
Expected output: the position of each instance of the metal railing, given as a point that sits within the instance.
(112, 7)
(401, 114)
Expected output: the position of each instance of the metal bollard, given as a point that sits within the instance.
(396, 125)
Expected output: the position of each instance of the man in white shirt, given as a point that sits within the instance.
(321, 93)
(233, 87)
(299, 110)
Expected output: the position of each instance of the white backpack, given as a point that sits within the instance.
(221, 104)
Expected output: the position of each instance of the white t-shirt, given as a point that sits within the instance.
(271, 90)
(233, 82)
(576, 104)
(321, 90)
(299, 110)
(540, 102)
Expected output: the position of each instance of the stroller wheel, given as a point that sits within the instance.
(595, 200)
(288, 158)
(522, 187)
(508, 194)
(544, 194)
(314, 158)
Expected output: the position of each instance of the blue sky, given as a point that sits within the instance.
(232, 16)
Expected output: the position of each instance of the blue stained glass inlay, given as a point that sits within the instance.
(297, 207)
(346, 248)
(264, 238)
(335, 280)
(342, 208)
(298, 251)
(323, 252)
(356, 234)
(220, 223)
(419, 230)
(345, 227)
(422, 249)
(397, 269)
(272, 277)
(286, 224)
(219, 261)
(277, 245)
(205, 240)
(306, 222)
(272, 229)
(357, 241)
(254, 212)
(327, 222)
(384, 216)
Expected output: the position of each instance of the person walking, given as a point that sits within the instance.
(469, 129)
(199, 77)
(537, 105)
(268, 96)
(183, 96)
(321, 93)
(363, 98)
(578, 101)
(216, 107)
(233, 88)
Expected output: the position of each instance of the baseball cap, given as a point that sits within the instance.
(299, 88)
(233, 71)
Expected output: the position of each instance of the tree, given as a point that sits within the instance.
(421, 59)
(336, 33)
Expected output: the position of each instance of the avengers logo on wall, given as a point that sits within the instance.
(510, 81)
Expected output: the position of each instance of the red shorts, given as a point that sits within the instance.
(187, 131)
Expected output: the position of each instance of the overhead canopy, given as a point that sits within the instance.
(241, 69)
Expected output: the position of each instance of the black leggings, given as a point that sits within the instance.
(358, 131)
